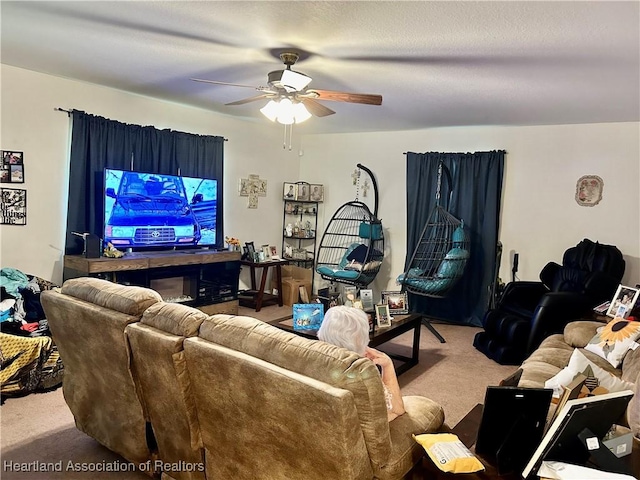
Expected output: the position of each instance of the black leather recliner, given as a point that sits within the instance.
(528, 312)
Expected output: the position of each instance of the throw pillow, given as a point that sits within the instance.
(359, 254)
(596, 376)
(614, 340)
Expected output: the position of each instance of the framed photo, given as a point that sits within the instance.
(12, 167)
(307, 316)
(349, 294)
(625, 297)
(398, 301)
(13, 206)
(274, 252)
(290, 191)
(366, 297)
(303, 192)
(383, 317)
(251, 249)
(316, 193)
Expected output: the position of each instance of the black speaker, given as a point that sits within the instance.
(92, 246)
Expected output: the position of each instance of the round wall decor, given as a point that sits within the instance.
(589, 190)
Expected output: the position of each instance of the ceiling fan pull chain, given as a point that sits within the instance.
(284, 139)
(290, 135)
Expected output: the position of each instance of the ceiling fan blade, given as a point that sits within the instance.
(230, 84)
(366, 98)
(250, 99)
(316, 108)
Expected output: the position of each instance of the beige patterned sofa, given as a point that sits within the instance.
(231, 395)
(554, 354)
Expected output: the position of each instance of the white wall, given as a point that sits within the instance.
(540, 218)
(31, 124)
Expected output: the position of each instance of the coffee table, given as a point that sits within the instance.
(400, 325)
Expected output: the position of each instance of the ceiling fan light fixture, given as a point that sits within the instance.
(285, 111)
(270, 110)
(300, 112)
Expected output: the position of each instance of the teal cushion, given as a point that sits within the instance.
(330, 272)
(433, 286)
(371, 231)
(453, 263)
(412, 273)
(458, 236)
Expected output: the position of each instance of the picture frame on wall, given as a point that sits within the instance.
(13, 206)
(623, 301)
(303, 192)
(398, 301)
(12, 167)
(290, 191)
(316, 192)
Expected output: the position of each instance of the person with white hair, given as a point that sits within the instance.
(348, 327)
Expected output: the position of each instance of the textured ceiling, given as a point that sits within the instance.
(435, 63)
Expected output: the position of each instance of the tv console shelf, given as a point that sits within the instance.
(205, 279)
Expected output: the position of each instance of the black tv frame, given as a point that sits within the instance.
(575, 436)
(512, 425)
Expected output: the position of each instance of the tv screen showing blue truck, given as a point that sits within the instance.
(143, 210)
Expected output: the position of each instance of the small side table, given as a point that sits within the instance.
(256, 297)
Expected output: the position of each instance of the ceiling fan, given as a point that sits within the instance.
(291, 100)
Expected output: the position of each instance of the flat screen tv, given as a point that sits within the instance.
(150, 211)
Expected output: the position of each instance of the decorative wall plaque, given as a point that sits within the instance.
(589, 190)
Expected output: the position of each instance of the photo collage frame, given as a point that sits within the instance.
(12, 167)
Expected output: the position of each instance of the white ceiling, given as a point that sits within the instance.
(435, 63)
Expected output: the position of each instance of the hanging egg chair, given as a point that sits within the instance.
(441, 255)
(352, 247)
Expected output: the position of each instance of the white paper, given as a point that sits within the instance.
(567, 471)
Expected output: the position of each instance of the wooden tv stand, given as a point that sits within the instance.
(205, 279)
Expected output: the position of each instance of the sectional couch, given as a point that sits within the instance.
(209, 397)
(555, 353)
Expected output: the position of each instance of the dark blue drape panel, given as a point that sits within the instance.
(98, 143)
(475, 196)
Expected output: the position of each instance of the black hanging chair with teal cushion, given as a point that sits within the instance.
(352, 247)
(441, 255)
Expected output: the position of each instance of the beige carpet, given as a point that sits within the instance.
(39, 427)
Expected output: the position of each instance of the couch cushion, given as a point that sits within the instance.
(259, 420)
(330, 364)
(421, 415)
(174, 318)
(631, 365)
(578, 334)
(164, 385)
(126, 299)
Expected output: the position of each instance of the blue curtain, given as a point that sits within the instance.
(475, 196)
(98, 143)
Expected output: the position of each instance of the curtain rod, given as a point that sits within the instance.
(69, 112)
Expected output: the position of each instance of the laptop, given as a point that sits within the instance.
(512, 426)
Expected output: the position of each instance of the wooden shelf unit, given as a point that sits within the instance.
(208, 277)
